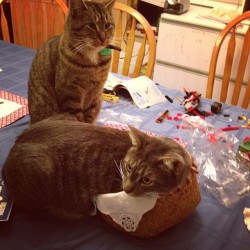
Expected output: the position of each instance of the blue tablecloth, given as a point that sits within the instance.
(211, 226)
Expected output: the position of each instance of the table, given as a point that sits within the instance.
(211, 226)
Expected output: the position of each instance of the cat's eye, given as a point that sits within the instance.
(91, 26)
(146, 180)
(108, 26)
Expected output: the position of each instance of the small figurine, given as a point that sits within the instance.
(191, 102)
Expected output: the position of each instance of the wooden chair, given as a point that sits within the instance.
(34, 21)
(127, 19)
(4, 24)
(41, 19)
(242, 69)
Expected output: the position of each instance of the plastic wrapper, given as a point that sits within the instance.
(221, 172)
(109, 116)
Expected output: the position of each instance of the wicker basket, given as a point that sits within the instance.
(168, 211)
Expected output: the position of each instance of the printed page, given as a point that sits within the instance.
(113, 81)
(142, 89)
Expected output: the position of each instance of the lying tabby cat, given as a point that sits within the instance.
(68, 71)
(59, 166)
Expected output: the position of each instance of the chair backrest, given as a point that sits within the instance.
(34, 21)
(140, 46)
(4, 24)
(237, 61)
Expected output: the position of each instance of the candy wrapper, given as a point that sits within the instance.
(221, 172)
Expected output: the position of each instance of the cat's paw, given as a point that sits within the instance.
(89, 119)
(79, 116)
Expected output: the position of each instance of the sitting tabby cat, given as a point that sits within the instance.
(68, 71)
(60, 165)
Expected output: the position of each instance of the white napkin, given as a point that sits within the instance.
(124, 209)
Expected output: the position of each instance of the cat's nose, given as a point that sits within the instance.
(128, 188)
(103, 39)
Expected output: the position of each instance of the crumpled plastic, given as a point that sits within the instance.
(221, 172)
(109, 116)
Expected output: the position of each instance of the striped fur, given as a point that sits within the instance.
(68, 71)
(60, 165)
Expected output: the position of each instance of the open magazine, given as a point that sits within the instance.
(142, 89)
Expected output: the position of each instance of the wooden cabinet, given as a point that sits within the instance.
(184, 49)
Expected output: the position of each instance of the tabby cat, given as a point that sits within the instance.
(68, 72)
(60, 165)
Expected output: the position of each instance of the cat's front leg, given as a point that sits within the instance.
(76, 114)
(79, 116)
(90, 117)
(71, 102)
(91, 113)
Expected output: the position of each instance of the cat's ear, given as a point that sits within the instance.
(75, 3)
(110, 4)
(78, 5)
(173, 163)
(135, 135)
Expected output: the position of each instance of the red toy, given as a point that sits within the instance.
(191, 102)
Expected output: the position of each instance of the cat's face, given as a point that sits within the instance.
(90, 25)
(154, 165)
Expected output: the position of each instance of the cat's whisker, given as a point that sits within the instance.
(118, 180)
(151, 194)
(109, 181)
(165, 195)
(83, 48)
(76, 39)
(80, 47)
(76, 48)
(119, 168)
(119, 184)
(80, 43)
